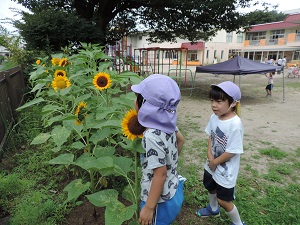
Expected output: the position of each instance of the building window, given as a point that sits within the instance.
(140, 38)
(215, 53)
(207, 54)
(229, 37)
(174, 54)
(272, 55)
(192, 55)
(296, 55)
(222, 54)
(256, 35)
(239, 38)
(167, 55)
(275, 34)
(234, 52)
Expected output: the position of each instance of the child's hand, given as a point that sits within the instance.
(212, 165)
(146, 216)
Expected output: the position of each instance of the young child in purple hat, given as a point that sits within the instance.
(225, 145)
(161, 186)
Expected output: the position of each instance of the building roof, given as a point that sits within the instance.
(292, 20)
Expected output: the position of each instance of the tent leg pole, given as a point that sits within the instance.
(283, 86)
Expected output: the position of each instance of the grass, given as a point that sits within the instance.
(30, 189)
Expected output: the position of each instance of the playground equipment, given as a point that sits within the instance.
(168, 61)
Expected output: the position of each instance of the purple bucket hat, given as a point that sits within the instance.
(231, 89)
(162, 95)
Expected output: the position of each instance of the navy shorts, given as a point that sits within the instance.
(166, 212)
(269, 87)
(225, 194)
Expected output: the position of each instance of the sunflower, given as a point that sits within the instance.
(60, 73)
(60, 82)
(63, 62)
(102, 81)
(80, 112)
(55, 61)
(38, 62)
(131, 127)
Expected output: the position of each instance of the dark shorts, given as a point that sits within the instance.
(269, 87)
(225, 194)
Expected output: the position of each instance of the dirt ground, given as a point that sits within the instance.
(272, 120)
(266, 119)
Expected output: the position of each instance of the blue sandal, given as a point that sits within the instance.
(242, 222)
(206, 212)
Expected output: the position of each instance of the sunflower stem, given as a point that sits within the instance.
(106, 93)
(136, 181)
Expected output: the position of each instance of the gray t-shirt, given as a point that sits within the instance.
(161, 150)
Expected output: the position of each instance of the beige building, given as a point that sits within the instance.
(200, 53)
(261, 43)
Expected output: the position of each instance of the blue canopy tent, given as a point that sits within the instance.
(240, 66)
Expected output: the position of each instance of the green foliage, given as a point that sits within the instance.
(83, 104)
(11, 186)
(273, 153)
(162, 20)
(30, 188)
(51, 29)
(34, 208)
(264, 16)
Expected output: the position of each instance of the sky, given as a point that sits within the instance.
(6, 12)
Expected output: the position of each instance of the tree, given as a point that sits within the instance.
(52, 29)
(164, 20)
(264, 16)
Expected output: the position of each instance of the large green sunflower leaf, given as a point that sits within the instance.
(101, 134)
(82, 98)
(88, 162)
(28, 104)
(112, 123)
(63, 159)
(54, 119)
(104, 151)
(103, 198)
(38, 86)
(40, 139)
(70, 125)
(123, 165)
(60, 135)
(76, 188)
(133, 146)
(77, 145)
(128, 193)
(117, 213)
(102, 112)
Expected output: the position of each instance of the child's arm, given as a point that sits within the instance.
(159, 178)
(210, 156)
(219, 160)
(180, 141)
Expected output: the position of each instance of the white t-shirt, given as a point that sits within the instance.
(226, 136)
(161, 150)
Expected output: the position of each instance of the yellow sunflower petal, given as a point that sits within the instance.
(102, 81)
(131, 128)
(60, 82)
(61, 73)
(55, 61)
(80, 105)
(63, 62)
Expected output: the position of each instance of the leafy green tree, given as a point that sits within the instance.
(50, 29)
(164, 20)
(264, 16)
